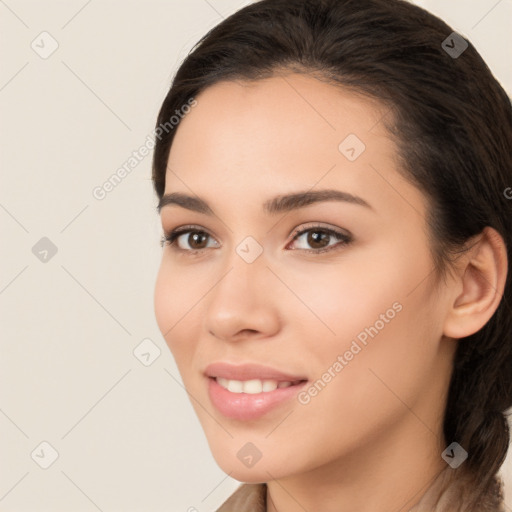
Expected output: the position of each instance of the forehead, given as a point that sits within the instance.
(281, 134)
(284, 117)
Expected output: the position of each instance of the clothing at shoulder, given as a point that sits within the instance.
(444, 495)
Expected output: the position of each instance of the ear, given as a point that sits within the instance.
(479, 286)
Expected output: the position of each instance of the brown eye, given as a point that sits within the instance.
(318, 238)
(196, 239)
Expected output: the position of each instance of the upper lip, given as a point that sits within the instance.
(249, 371)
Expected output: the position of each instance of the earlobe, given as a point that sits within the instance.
(479, 287)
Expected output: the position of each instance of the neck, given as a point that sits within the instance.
(390, 473)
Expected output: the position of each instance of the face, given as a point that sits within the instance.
(331, 294)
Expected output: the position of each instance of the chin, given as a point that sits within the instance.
(262, 470)
(249, 477)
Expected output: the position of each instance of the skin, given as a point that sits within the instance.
(371, 440)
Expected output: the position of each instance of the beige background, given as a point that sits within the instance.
(125, 433)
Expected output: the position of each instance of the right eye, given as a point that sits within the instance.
(195, 239)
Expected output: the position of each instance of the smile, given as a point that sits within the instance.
(254, 386)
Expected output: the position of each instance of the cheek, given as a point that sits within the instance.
(177, 290)
(377, 314)
(174, 298)
(388, 348)
(373, 288)
(164, 299)
(346, 297)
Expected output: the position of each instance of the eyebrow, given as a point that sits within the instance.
(278, 204)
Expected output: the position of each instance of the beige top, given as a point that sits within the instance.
(442, 496)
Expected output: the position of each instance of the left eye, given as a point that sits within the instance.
(317, 237)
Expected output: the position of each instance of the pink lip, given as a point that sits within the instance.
(245, 406)
(248, 372)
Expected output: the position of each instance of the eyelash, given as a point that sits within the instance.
(170, 239)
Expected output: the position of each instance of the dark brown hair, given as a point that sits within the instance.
(452, 123)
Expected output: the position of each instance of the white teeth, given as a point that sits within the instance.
(269, 385)
(235, 386)
(222, 382)
(251, 387)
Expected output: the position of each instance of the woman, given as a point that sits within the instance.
(334, 285)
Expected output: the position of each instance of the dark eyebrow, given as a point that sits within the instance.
(278, 204)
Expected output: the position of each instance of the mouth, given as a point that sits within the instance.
(249, 392)
(255, 386)
(250, 372)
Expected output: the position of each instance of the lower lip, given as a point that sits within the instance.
(245, 406)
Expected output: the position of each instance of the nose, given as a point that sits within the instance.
(244, 302)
